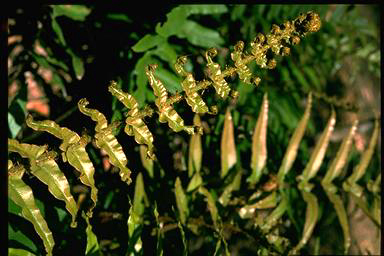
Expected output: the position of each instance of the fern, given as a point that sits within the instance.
(229, 211)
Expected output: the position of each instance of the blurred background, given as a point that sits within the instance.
(59, 54)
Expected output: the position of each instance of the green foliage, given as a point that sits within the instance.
(189, 199)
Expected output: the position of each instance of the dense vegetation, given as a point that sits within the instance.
(61, 54)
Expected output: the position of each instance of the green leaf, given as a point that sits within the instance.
(185, 243)
(119, 16)
(199, 35)
(20, 237)
(211, 205)
(238, 11)
(140, 197)
(57, 29)
(78, 65)
(311, 74)
(141, 78)
(175, 19)
(299, 76)
(92, 248)
(171, 82)
(61, 213)
(181, 201)
(13, 126)
(75, 12)
(311, 217)
(218, 246)
(166, 52)
(195, 182)
(178, 16)
(19, 252)
(233, 186)
(205, 9)
(17, 111)
(13, 208)
(148, 42)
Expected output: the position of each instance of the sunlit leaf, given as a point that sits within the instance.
(164, 103)
(106, 140)
(44, 167)
(135, 125)
(191, 87)
(22, 195)
(74, 152)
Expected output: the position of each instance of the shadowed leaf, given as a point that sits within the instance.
(195, 154)
(195, 182)
(293, 146)
(92, 248)
(211, 205)
(259, 143)
(228, 147)
(19, 252)
(318, 153)
(181, 201)
(358, 172)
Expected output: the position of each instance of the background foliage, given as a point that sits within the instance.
(59, 54)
